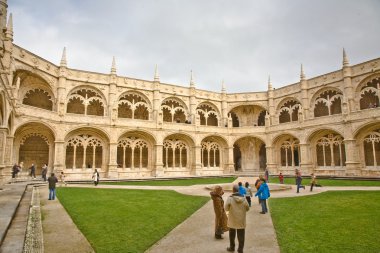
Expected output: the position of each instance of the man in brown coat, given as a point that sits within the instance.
(237, 206)
(220, 213)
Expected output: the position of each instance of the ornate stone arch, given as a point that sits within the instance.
(21, 71)
(247, 115)
(134, 105)
(208, 113)
(214, 154)
(86, 149)
(33, 90)
(174, 110)
(287, 152)
(249, 154)
(368, 141)
(369, 92)
(86, 100)
(327, 101)
(288, 110)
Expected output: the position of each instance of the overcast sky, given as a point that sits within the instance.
(240, 42)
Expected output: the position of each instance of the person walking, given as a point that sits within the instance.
(299, 181)
(248, 194)
(266, 175)
(220, 213)
(258, 183)
(237, 206)
(313, 182)
(52, 183)
(44, 171)
(62, 179)
(95, 177)
(242, 190)
(33, 171)
(263, 193)
(15, 171)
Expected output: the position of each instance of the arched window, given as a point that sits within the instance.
(328, 103)
(173, 111)
(133, 106)
(132, 153)
(84, 151)
(289, 111)
(175, 154)
(372, 149)
(38, 98)
(208, 115)
(330, 151)
(369, 94)
(210, 154)
(290, 152)
(87, 102)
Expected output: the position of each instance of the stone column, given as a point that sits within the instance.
(305, 164)
(158, 164)
(197, 163)
(59, 156)
(271, 164)
(352, 157)
(230, 161)
(3, 143)
(112, 166)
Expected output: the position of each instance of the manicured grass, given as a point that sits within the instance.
(328, 222)
(177, 182)
(328, 182)
(117, 220)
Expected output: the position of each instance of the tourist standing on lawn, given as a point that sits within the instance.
(281, 178)
(52, 183)
(220, 213)
(249, 193)
(95, 176)
(299, 181)
(237, 206)
(263, 194)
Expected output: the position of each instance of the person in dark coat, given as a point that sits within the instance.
(220, 213)
(33, 171)
(15, 171)
(299, 181)
(44, 171)
(52, 183)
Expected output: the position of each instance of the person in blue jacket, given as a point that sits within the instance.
(263, 194)
(242, 190)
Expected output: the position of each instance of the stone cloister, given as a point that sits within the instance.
(76, 121)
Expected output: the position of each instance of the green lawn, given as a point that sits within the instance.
(177, 182)
(328, 182)
(116, 220)
(330, 222)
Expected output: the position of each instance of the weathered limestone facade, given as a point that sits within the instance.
(76, 121)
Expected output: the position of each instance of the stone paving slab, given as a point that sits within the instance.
(60, 233)
(10, 197)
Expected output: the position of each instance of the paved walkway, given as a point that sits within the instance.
(193, 235)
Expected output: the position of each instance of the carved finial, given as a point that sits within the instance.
(63, 59)
(270, 87)
(223, 87)
(9, 32)
(192, 84)
(345, 59)
(113, 68)
(302, 76)
(156, 74)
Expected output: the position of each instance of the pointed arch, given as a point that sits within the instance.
(174, 110)
(86, 100)
(248, 115)
(134, 105)
(288, 110)
(209, 114)
(327, 102)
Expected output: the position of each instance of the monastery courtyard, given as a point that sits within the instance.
(195, 234)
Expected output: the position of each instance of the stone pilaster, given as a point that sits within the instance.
(230, 162)
(271, 165)
(352, 156)
(59, 155)
(305, 164)
(197, 165)
(112, 166)
(158, 164)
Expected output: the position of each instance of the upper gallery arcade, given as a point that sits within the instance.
(76, 121)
